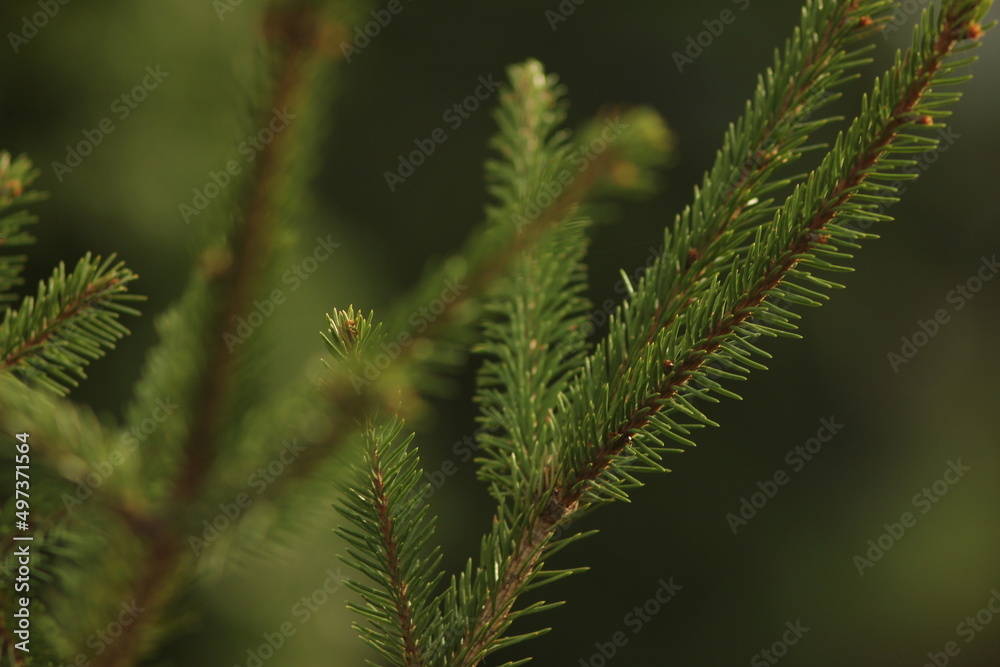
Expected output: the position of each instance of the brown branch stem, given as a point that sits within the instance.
(397, 586)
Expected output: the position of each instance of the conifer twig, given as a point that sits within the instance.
(387, 539)
(808, 218)
(351, 402)
(771, 134)
(54, 333)
(812, 232)
(73, 317)
(529, 337)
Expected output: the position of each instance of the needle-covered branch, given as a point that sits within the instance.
(74, 317)
(712, 340)
(733, 200)
(542, 175)
(606, 437)
(388, 543)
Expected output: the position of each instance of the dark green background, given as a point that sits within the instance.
(794, 560)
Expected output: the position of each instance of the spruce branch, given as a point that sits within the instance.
(523, 215)
(772, 134)
(712, 339)
(537, 163)
(567, 428)
(72, 320)
(390, 533)
(540, 180)
(321, 416)
(533, 315)
(531, 346)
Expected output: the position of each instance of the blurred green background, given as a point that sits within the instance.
(794, 561)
